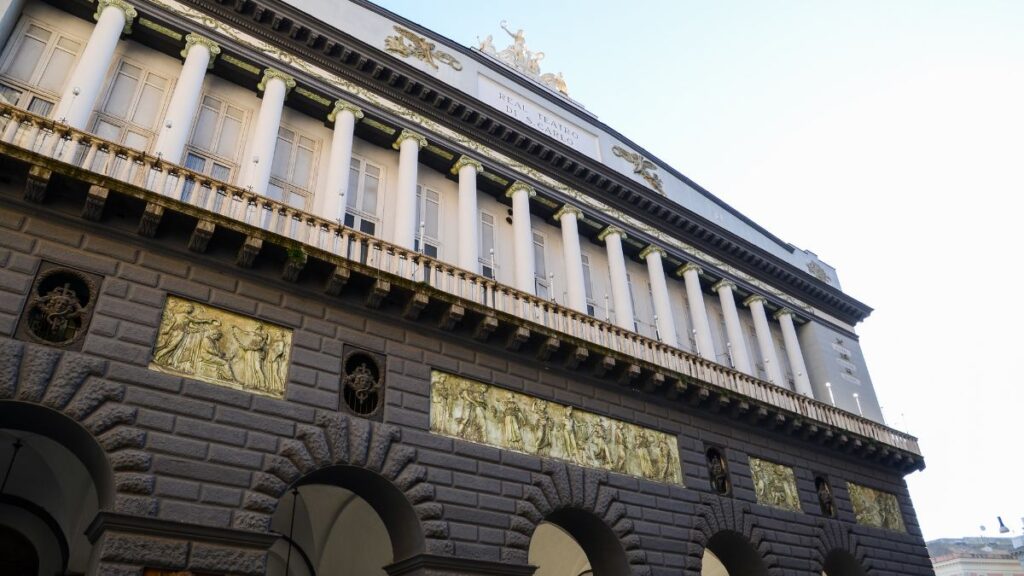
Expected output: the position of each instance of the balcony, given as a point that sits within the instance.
(51, 148)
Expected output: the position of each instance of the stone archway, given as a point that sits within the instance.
(579, 501)
(82, 411)
(361, 457)
(838, 551)
(728, 530)
(73, 444)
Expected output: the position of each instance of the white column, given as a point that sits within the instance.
(612, 237)
(331, 204)
(522, 230)
(764, 340)
(733, 328)
(796, 357)
(659, 290)
(569, 217)
(408, 146)
(199, 54)
(469, 234)
(113, 17)
(699, 314)
(275, 86)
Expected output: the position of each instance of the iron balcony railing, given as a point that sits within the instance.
(82, 150)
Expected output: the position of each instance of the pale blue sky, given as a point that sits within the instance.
(887, 136)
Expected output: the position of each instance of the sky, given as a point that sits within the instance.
(886, 136)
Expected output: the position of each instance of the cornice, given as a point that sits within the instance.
(370, 67)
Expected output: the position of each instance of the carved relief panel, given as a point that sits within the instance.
(774, 485)
(875, 508)
(473, 411)
(221, 347)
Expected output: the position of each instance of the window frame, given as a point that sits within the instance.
(126, 124)
(588, 284)
(421, 244)
(287, 186)
(233, 164)
(359, 216)
(541, 280)
(488, 261)
(30, 89)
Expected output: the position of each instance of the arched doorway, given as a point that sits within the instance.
(342, 521)
(54, 478)
(842, 563)
(573, 542)
(731, 554)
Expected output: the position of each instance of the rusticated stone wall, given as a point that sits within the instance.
(213, 460)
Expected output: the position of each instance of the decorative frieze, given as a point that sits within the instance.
(221, 347)
(406, 43)
(875, 508)
(641, 167)
(474, 411)
(774, 485)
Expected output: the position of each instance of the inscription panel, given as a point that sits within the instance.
(525, 110)
(474, 411)
(221, 347)
(875, 508)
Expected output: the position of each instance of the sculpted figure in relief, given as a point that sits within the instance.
(512, 421)
(180, 338)
(570, 446)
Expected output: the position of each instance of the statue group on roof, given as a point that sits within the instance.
(521, 58)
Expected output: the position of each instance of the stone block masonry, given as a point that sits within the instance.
(219, 459)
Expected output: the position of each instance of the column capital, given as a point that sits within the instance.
(783, 312)
(611, 230)
(421, 141)
(723, 283)
(342, 105)
(687, 267)
(193, 39)
(569, 209)
(129, 11)
(520, 185)
(271, 73)
(752, 299)
(464, 161)
(651, 249)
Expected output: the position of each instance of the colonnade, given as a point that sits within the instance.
(115, 17)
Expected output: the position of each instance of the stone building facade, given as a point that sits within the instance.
(217, 356)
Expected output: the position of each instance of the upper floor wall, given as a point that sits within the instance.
(553, 114)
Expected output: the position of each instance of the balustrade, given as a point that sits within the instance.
(62, 143)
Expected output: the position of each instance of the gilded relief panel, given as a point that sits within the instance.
(473, 411)
(221, 347)
(875, 508)
(775, 485)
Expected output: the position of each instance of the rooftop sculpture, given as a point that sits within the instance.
(521, 58)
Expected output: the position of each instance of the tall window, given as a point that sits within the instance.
(131, 111)
(216, 139)
(588, 286)
(542, 283)
(428, 221)
(291, 175)
(632, 300)
(364, 186)
(37, 66)
(487, 255)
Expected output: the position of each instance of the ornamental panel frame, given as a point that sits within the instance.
(876, 508)
(470, 410)
(775, 485)
(221, 347)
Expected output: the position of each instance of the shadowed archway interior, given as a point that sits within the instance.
(50, 471)
(573, 542)
(342, 521)
(731, 554)
(842, 563)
